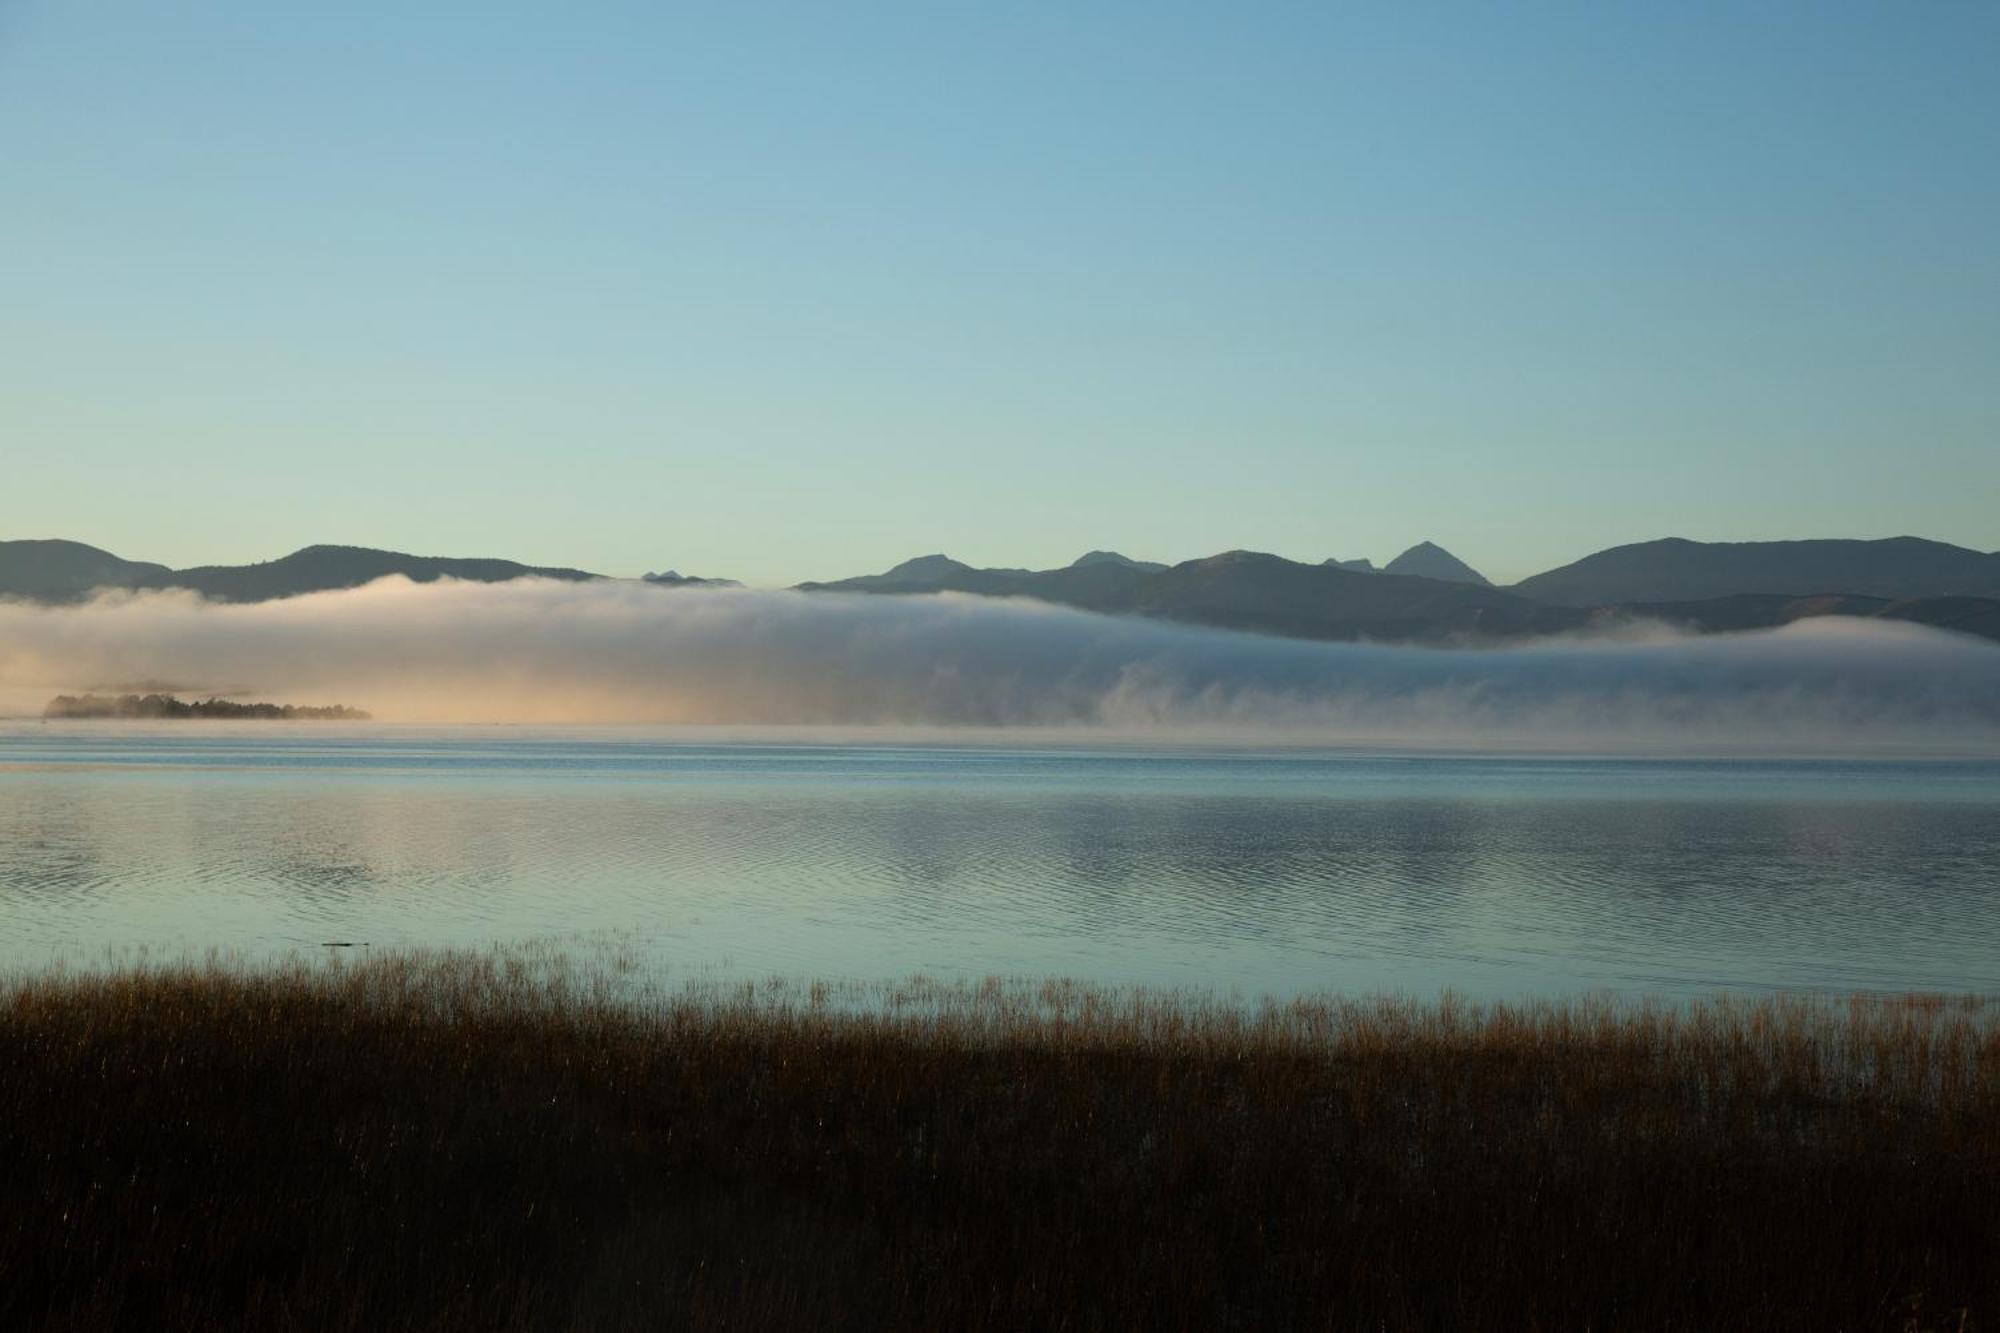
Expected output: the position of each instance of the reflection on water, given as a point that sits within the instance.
(1261, 873)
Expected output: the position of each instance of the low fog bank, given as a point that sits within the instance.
(557, 653)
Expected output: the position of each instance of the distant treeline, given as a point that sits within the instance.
(166, 705)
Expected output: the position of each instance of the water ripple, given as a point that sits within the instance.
(1263, 873)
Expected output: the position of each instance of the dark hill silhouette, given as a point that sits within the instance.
(1425, 560)
(323, 568)
(934, 573)
(1677, 570)
(1265, 594)
(927, 569)
(65, 571)
(1245, 590)
(1251, 590)
(61, 571)
(1114, 558)
(1428, 560)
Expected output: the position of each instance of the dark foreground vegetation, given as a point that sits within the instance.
(499, 1143)
(166, 705)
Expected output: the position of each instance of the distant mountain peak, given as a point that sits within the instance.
(927, 567)
(1089, 558)
(1237, 555)
(1428, 560)
(1363, 565)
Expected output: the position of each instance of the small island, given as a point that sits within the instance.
(166, 705)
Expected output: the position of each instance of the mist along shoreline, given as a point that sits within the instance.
(72, 707)
(495, 1141)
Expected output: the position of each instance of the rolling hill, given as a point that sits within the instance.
(65, 571)
(1676, 570)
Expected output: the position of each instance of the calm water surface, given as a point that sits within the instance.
(1263, 873)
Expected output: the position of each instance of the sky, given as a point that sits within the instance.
(789, 292)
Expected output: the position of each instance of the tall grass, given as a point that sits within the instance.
(517, 1142)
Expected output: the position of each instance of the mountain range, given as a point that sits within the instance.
(1426, 594)
(1245, 590)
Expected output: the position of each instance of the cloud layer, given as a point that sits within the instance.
(544, 652)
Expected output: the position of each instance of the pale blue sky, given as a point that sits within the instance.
(784, 292)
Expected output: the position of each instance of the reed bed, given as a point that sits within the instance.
(519, 1141)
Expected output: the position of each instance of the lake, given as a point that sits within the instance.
(1259, 873)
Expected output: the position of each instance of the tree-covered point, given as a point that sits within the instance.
(166, 705)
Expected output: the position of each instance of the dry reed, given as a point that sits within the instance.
(513, 1141)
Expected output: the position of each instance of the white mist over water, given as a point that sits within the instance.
(556, 653)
